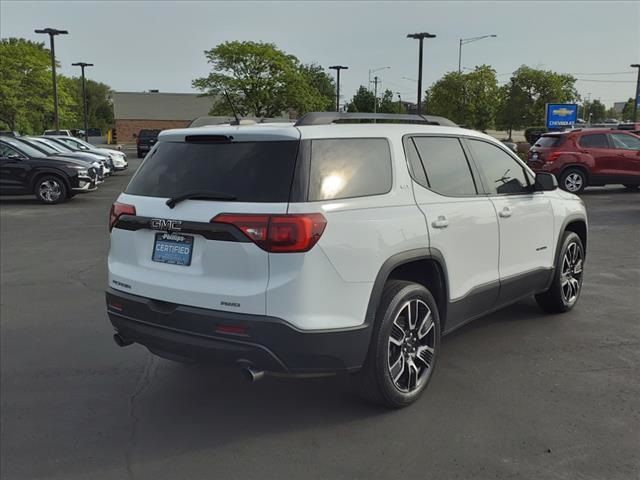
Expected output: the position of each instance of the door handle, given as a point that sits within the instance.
(441, 222)
(505, 212)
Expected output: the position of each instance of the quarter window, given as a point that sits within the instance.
(596, 140)
(625, 142)
(349, 167)
(446, 166)
(415, 164)
(502, 173)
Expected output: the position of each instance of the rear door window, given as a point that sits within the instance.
(446, 166)
(349, 167)
(248, 171)
(595, 140)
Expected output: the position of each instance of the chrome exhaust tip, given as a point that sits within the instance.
(252, 375)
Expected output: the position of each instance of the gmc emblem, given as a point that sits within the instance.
(164, 224)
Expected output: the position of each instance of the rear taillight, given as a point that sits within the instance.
(553, 156)
(118, 209)
(278, 233)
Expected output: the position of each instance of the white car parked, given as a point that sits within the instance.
(118, 158)
(326, 247)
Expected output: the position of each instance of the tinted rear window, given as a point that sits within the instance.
(549, 141)
(598, 140)
(349, 167)
(446, 165)
(148, 133)
(249, 171)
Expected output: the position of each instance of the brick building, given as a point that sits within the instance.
(134, 111)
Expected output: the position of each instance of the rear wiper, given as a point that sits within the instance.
(199, 195)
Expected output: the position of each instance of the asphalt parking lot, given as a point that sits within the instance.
(516, 395)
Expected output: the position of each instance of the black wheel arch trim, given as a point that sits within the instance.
(575, 218)
(50, 171)
(398, 260)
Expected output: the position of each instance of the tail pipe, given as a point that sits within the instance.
(252, 375)
(121, 341)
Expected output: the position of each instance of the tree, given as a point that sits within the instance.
(99, 104)
(529, 92)
(262, 80)
(627, 110)
(481, 92)
(446, 97)
(26, 95)
(387, 104)
(612, 113)
(466, 98)
(362, 101)
(594, 111)
(322, 83)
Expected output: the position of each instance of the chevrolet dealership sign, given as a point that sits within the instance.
(561, 115)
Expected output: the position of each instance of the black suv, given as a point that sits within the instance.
(145, 140)
(53, 179)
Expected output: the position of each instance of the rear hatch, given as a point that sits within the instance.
(148, 138)
(544, 146)
(172, 250)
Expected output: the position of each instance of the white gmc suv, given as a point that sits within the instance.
(330, 246)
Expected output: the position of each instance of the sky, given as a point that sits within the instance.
(138, 46)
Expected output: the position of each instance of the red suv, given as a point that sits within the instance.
(596, 157)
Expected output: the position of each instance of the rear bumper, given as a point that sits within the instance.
(268, 343)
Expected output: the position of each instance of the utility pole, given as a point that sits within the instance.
(586, 109)
(82, 65)
(421, 37)
(52, 32)
(399, 103)
(375, 94)
(637, 99)
(374, 70)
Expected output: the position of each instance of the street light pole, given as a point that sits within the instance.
(421, 37)
(337, 68)
(52, 32)
(399, 103)
(375, 94)
(82, 65)
(464, 41)
(637, 99)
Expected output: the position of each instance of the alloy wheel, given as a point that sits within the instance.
(411, 346)
(573, 182)
(571, 273)
(50, 190)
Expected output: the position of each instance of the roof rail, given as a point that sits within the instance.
(327, 118)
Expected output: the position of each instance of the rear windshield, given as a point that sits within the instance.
(148, 133)
(549, 141)
(249, 171)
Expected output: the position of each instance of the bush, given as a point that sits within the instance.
(532, 134)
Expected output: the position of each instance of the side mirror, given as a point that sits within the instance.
(545, 182)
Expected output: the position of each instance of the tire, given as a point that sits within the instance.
(632, 188)
(51, 189)
(573, 180)
(140, 154)
(389, 354)
(565, 288)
